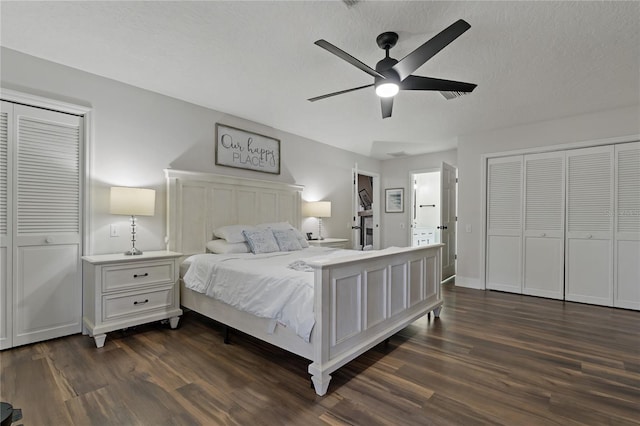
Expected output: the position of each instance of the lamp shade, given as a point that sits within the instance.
(133, 201)
(317, 209)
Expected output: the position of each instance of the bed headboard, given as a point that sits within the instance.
(197, 203)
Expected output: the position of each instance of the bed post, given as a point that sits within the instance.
(320, 334)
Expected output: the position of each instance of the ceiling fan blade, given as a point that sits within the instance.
(414, 82)
(422, 54)
(317, 98)
(387, 106)
(345, 56)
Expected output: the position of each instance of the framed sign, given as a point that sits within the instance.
(246, 150)
(394, 200)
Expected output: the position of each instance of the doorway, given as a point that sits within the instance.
(425, 208)
(434, 212)
(366, 210)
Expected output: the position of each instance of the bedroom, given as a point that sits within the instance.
(137, 133)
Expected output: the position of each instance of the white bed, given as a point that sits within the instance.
(358, 301)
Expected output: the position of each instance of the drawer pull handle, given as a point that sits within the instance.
(146, 274)
(141, 303)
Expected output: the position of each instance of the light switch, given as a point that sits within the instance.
(113, 230)
(468, 228)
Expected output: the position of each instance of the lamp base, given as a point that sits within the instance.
(133, 252)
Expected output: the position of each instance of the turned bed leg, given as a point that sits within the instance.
(436, 312)
(321, 383)
(99, 339)
(173, 322)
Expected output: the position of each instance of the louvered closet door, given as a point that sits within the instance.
(627, 226)
(47, 236)
(589, 244)
(543, 234)
(6, 116)
(504, 224)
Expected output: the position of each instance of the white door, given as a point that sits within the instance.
(504, 224)
(543, 235)
(627, 226)
(6, 303)
(448, 218)
(47, 232)
(589, 243)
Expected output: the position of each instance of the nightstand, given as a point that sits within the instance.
(122, 291)
(330, 242)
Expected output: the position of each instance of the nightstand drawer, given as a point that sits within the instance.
(116, 306)
(122, 277)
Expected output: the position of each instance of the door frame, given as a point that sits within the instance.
(439, 170)
(412, 199)
(375, 207)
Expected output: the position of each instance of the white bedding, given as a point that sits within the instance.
(263, 284)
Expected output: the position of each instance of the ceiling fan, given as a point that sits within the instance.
(392, 75)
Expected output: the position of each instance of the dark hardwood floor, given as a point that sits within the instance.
(492, 358)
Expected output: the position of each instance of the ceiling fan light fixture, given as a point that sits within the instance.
(387, 89)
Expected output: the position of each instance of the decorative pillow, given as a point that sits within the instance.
(233, 233)
(261, 241)
(283, 226)
(287, 239)
(224, 247)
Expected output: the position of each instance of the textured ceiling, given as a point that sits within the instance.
(532, 61)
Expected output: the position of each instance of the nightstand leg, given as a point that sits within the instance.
(100, 338)
(173, 321)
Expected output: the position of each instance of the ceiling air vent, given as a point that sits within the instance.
(453, 95)
(398, 154)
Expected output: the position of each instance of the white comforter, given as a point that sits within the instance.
(262, 284)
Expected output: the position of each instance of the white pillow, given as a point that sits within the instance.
(261, 241)
(224, 247)
(233, 233)
(285, 225)
(287, 239)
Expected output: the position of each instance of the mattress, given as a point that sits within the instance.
(278, 286)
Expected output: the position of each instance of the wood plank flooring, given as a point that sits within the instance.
(492, 358)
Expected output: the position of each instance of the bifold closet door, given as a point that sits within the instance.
(47, 209)
(543, 236)
(627, 226)
(6, 116)
(504, 224)
(589, 242)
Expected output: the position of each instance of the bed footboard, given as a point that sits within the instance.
(361, 301)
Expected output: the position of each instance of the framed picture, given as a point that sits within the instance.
(394, 200)
(246, 150)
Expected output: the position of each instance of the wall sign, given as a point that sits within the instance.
(246, 150)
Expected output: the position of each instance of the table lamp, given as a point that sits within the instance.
(317, 209)
(133, 202)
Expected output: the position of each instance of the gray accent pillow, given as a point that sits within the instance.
(286, 225)
(261, 241)
(287, 239)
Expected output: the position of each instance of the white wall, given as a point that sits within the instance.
(396, 173)
(587, 127)
(137, 134)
